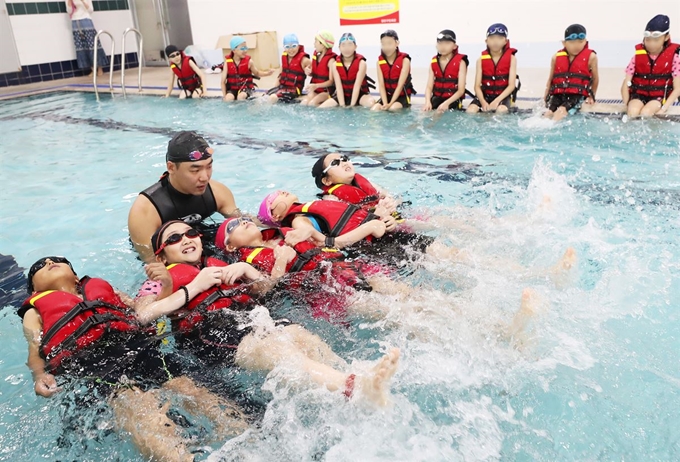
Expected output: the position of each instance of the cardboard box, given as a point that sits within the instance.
(263, 48)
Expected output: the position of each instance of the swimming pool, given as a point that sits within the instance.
(599, 379)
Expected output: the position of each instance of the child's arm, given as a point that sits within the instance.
(149, 308)
(625, 89)
(550, 78)
(171, 84)
(428, 90)
(223, 77)
(339, 92)
(375, 228)
(478, 86)
(257, 72)
(512, 84)
(45, 384)
(460, 92)
(282, 256)
(200, 73)
(361, 74)
(672, 97)
(595, 81)
(381, 87)
(328, 83)
(403, 76)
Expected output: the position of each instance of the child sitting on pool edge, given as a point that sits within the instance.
(352, 85)
(496, 75)
(189, 76)
(321, 85)
(239, 71)
(652, 82)
(573, 75)
(446, 80)
(294, 60)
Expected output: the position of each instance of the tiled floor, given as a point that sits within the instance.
(155, 80)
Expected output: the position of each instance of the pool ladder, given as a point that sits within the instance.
(140, 52)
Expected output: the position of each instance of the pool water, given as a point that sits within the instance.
(598, 376)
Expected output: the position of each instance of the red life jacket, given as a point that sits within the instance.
(391, 73)
(309, 255)
(293, 76)
(239, 77)
(320, 72)
(446, 81)
(348, 76)
(653, 78)
(572, 78)
(360, 192)
(187, 79)
(71, 323)
(496, 76)
(334, 218)
(216, 298)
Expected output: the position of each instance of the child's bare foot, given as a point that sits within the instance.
(530, 306)
(375, 386)
(561, 271)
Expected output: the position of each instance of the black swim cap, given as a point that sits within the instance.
(317, 171)
(574, 29)
(170, 49)
(188, 147)
(40, 264)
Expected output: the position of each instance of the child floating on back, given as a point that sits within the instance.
(573, 75)
(239, 71)
(652, 82)
(496, 76)
(446, 81)
(394, 75)
(351, 83)
(293, 63)
(321, 85)
(185, 71)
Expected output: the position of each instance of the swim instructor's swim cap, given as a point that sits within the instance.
(265, 213)
(326, 38)
(236, 41)
(188, 147)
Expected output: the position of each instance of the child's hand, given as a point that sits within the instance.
(492, 106)
(46, 385)
(428, 106)
(296, 236)
(268, 72)
(284, 253)
(664, 108)
(311, 87)
(389, 204)
(443, 107)
(308, 70)
(590, 100)
(390, 223)
(231, 273)
(158, 272)
(207, 278)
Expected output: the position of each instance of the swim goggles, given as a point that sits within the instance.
(244, 48)
(655, 34)
(497, 31)
(198, 155)
(234, 223)
(289, 46)
(580, 36)
(174, 54)
(40, 264)
(176, 238)
(441, 37)
(347, 36)
(335, 163)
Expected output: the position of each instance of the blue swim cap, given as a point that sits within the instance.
(236, 41)
(291, 39)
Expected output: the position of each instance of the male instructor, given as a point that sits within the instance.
(184, 192)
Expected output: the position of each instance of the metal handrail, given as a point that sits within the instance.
(94, 68)
(140, 53)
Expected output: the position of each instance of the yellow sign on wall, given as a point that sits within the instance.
(357, 12)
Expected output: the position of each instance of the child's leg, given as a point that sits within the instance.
(634, 108)
(396, 106)
(242, 95)
(228, 419)
(229, 98)
(650, 108)
(366, 101)
(531, 306)
(377, 106)
(155, 435)
(502, 109)
(273, 99)
(182, 94)
(319, 99)
(472, 108)
(265, 353)
(330, 102)
(560, 114)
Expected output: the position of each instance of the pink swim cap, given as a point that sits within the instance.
(265, 214)
(222, 234)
